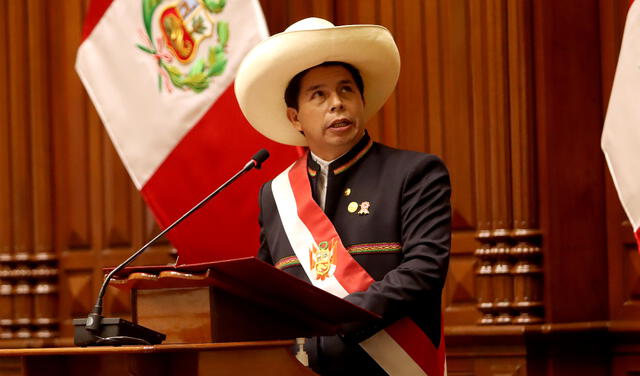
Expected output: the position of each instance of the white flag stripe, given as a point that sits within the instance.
(144, 122)
(391, 356)
(298, 234)
(621, 134)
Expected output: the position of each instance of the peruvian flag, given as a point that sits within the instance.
(160, 74)
(621, 134)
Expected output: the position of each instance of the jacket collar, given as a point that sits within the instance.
(345, 162)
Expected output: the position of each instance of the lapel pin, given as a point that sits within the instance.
(364, 208)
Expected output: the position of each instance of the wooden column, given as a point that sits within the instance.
(526, 253)
(6, 298)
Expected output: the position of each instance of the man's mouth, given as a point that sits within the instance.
(340, 123)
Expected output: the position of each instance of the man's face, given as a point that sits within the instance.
(330, 111)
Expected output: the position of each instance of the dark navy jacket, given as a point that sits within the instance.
(403, 243)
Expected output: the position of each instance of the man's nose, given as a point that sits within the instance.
(336, 102)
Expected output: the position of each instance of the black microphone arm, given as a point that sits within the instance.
(94, 320)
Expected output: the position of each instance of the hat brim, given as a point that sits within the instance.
(266, 71)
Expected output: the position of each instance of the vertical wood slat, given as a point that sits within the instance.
(22, 213)
(40, 136)
(478, 21)
(498, 116)
(411, 114)
(527, 271)
(323, 9)
(43, 282)
(365, 12)
(521, 115)
(73, 140)
(115, 184)
(389, 118)
(6, 231)
(480, 114)
(433, 75)
(275, 13)
(500, 158)
(454, 133)
(344, 12)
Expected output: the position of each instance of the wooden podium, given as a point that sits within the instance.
(233, 300)
(233, 317)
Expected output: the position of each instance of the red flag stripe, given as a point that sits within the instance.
(212, 151)
(96, 9)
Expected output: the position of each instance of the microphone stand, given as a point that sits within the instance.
(87, 331)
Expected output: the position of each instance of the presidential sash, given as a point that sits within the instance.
(400, 349)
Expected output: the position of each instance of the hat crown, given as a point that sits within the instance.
(311, 23)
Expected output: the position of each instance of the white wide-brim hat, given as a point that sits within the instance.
(265, 72)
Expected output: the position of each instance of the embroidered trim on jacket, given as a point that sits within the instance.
(362, 152)
(287, 262)
(369, 248)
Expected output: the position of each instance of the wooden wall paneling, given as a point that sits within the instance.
(453, 133)
(526, 253)
(459, 297)
(276, 14)
(389, 114)
(116, 187)
(570, 163)
(44, 265)
(361, 12)
(78, 222)
(299, 10)
(324, 9)
(433, 68)
(74, 146)
(6, 298)
(479, 88)
(449, 131)
(411, 99)
(21, 173)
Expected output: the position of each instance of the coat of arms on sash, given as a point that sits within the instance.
(186, 40)
(323, 259)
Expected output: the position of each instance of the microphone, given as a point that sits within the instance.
(96, 330)
(259, 157)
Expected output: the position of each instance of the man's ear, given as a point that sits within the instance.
(292, 115)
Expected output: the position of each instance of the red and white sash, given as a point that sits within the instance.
(400, 349)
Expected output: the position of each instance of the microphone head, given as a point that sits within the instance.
(259, 157)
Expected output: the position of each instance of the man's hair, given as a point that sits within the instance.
(293, 89)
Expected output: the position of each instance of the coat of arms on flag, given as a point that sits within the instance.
(172, 35)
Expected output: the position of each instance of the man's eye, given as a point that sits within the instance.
(348, 89)
(317, 94)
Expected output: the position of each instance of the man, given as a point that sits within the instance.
(361, 220)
